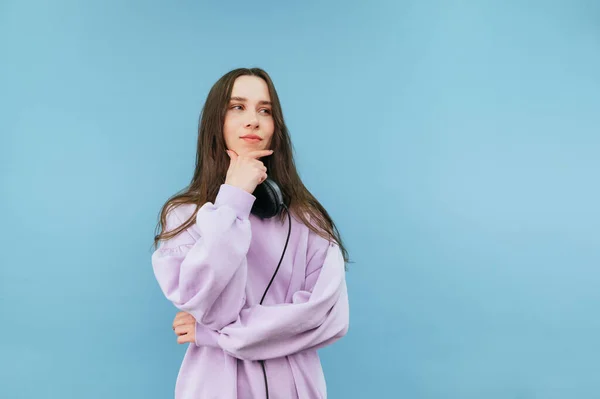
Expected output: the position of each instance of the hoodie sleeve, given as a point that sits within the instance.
(317, 316)
(203, 270)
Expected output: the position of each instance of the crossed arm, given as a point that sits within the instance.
(205, 278)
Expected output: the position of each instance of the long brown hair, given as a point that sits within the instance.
(212, 163)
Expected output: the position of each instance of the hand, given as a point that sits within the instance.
(184, 326)
(246, 171)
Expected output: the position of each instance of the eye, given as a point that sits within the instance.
(266, 111)
(236, 107)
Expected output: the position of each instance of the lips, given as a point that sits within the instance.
(251, 137)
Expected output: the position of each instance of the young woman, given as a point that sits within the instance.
(258, 295)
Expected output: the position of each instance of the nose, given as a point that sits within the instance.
(252, 122)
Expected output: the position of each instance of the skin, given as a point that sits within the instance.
(184, 326)
(248, 112)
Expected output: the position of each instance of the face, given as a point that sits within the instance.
(249, 123)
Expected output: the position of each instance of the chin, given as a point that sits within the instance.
(243, 149)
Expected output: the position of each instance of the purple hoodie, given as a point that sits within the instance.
(218, 269)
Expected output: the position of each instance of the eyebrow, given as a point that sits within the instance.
(243, 100)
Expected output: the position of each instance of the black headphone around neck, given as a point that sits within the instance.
(269, 200)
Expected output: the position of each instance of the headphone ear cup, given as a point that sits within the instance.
(269, 199)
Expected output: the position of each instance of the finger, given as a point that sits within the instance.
(176, 320)
(188, 336)
(181, 330)
(181, 316)
(259, 153)
(177, 317)
(259, 166)
(185, 339)
(183, 321)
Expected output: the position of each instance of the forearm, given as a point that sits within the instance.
(313, 320)
(206, 276)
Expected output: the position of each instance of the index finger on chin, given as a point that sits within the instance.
(259, 154)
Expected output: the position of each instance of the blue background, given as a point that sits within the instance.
(455, 143)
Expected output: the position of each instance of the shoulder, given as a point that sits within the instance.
(178, 214)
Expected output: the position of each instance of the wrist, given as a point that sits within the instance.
(236, 198)
(238, 186)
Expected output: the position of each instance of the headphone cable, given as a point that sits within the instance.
(262, 362)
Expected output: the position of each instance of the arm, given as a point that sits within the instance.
(206, 277)
(317, 317)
